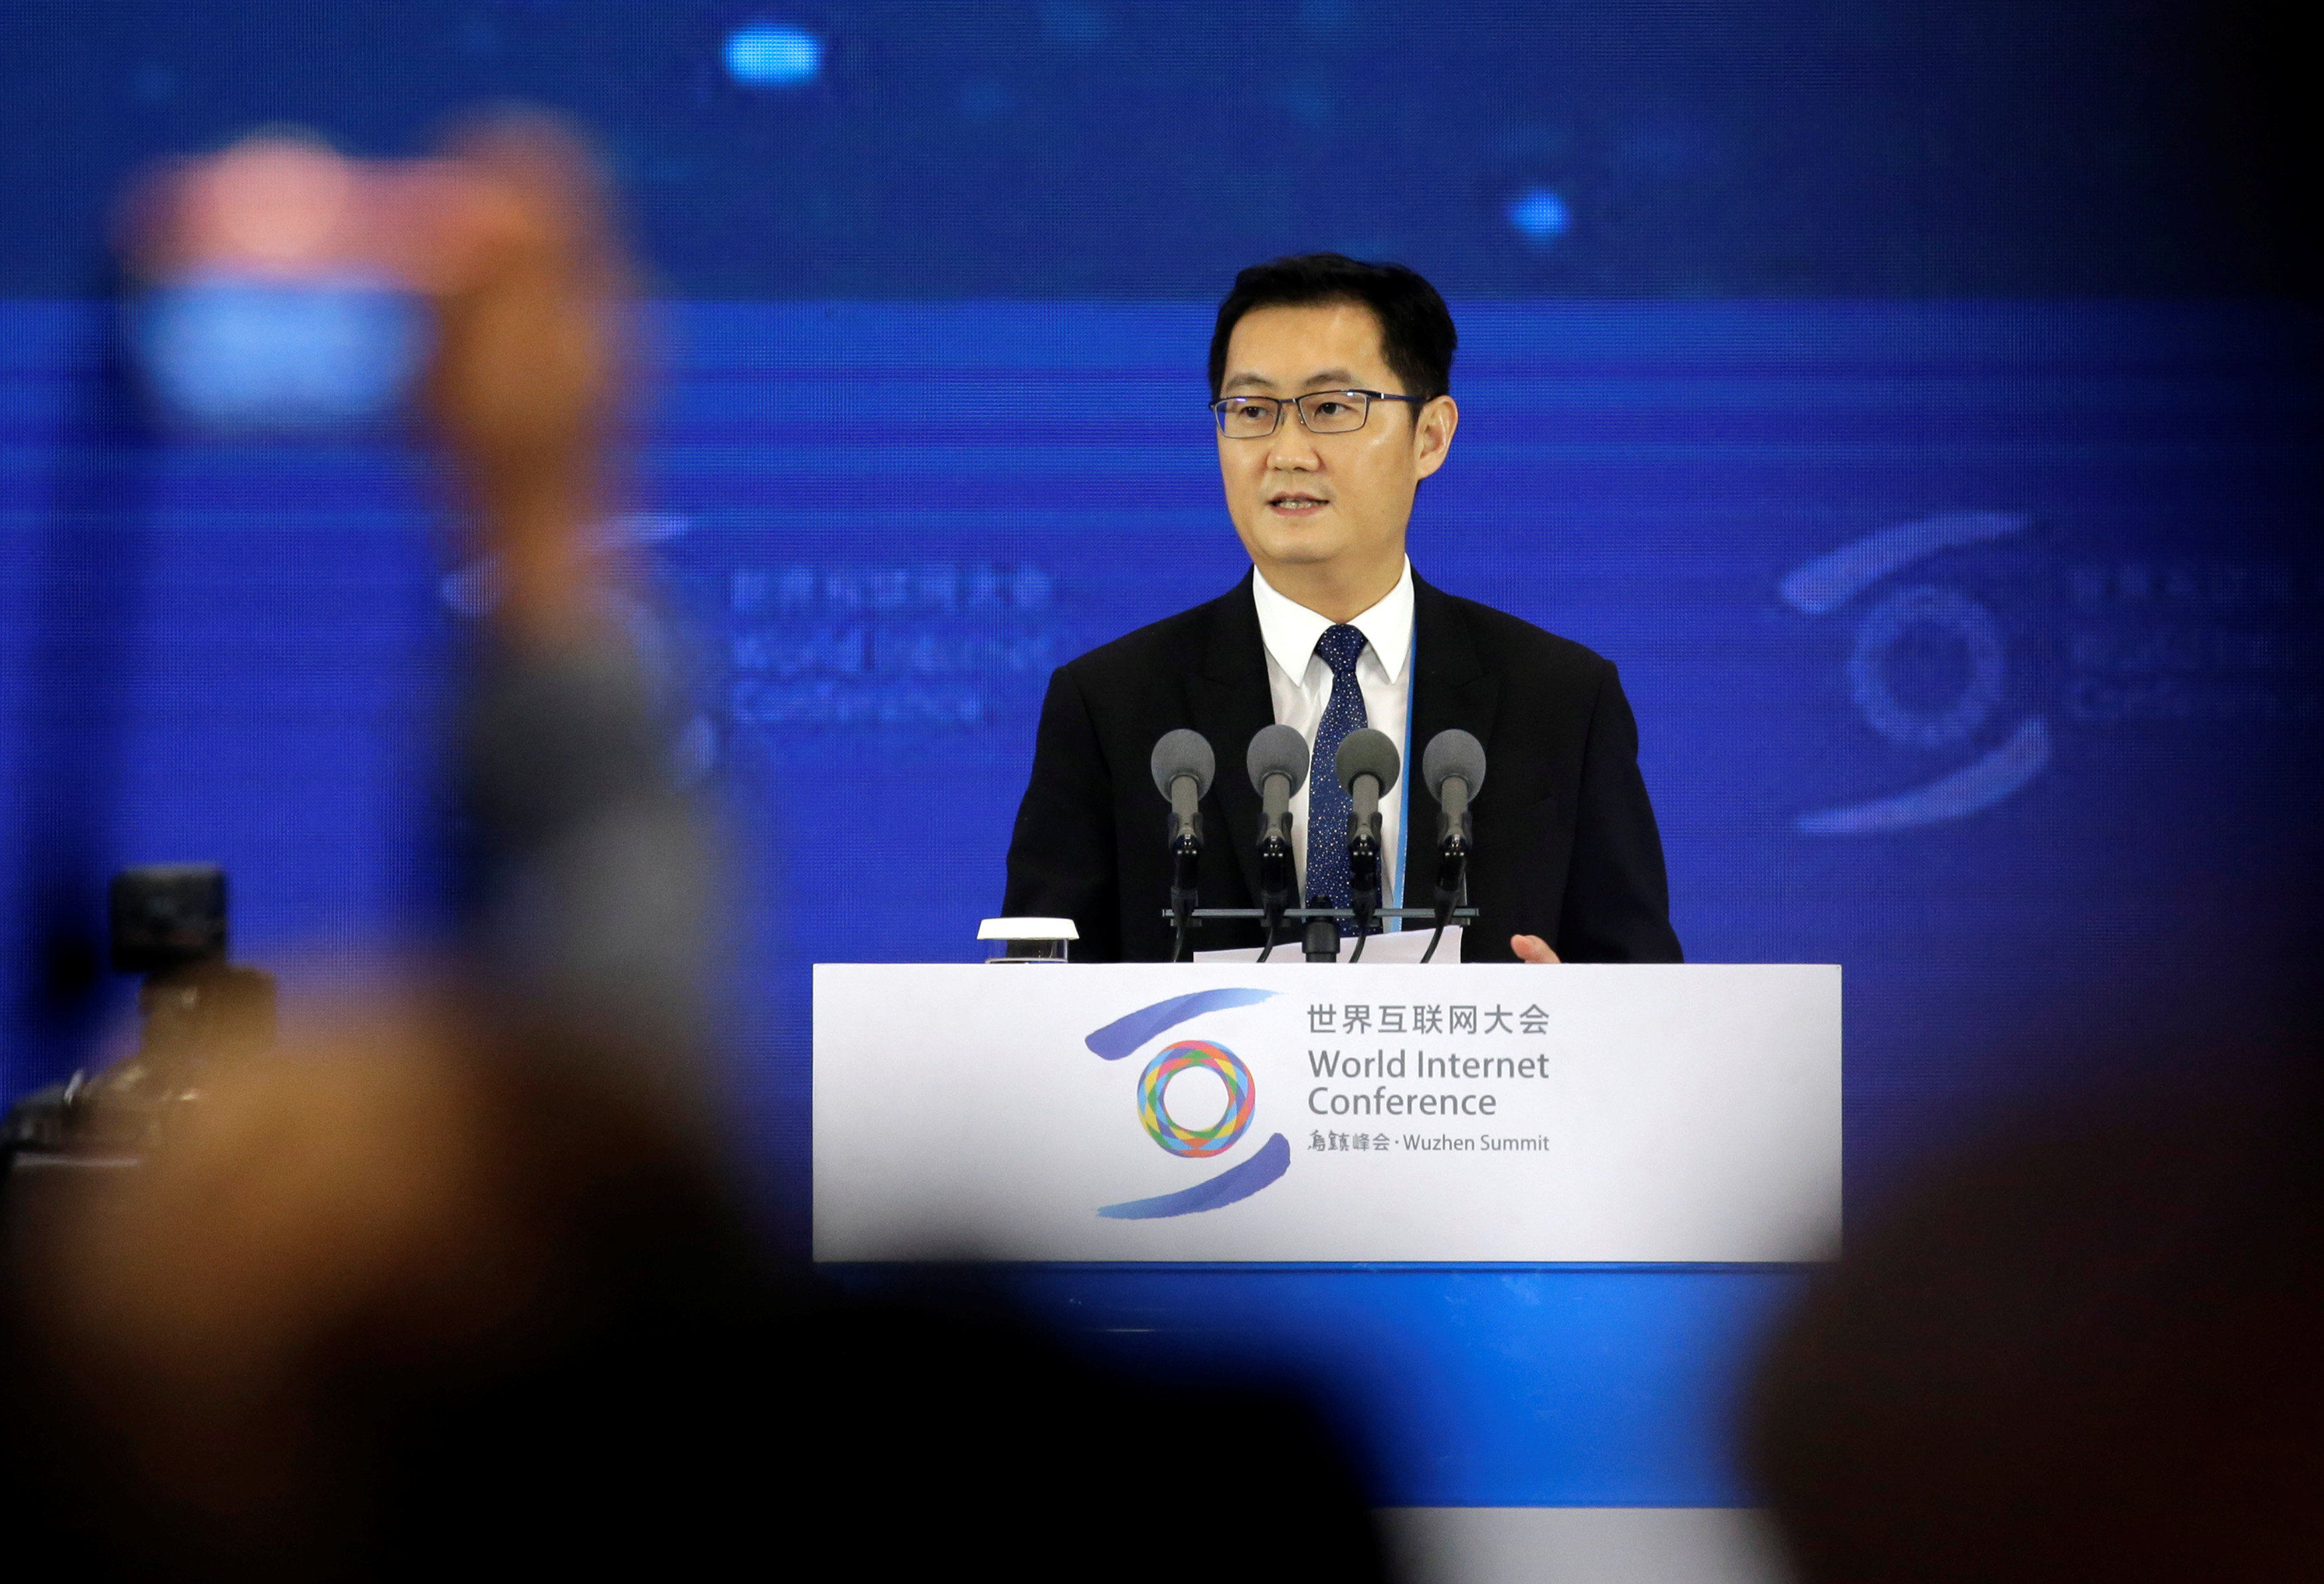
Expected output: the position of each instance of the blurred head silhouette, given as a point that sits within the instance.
(2087, 1350)
(456, 1281)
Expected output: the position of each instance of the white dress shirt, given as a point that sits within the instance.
(1300, 683)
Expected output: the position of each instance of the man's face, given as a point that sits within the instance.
(1304, 499)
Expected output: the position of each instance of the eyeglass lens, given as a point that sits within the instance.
(1326, 413)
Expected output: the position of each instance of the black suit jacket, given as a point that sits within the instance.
(1566, 847)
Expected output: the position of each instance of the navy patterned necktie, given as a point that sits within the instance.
(1327, 800)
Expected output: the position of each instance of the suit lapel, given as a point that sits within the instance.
(1231, 702)
(1449, 687)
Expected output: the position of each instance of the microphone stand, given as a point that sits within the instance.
(1321, 909)
(1452, 887)
(1364, 860)
(1279, 875)
(1452, 834)
(1185, 859)
(1279, 886)
(1279, 882)
(1185, 855)
(1321, 939)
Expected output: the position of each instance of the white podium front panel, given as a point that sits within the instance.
(1578, 1113)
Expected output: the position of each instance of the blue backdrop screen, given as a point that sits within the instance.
(1974, 647)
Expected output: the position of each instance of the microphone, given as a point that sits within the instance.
(1453, 767)
(1183, 766)
(1277, 762)
(1367, 766)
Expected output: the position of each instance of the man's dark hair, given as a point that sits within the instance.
(1416, 333)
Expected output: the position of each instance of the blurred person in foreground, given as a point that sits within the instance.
(462, 1285)
(2090, 1349)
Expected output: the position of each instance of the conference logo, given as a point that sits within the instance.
(1943, 725)
(1127, 1035)
(1154, 1104)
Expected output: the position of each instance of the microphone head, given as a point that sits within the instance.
(1184, 753)
(1277, 750)
(1450, 754)
(1369, 752)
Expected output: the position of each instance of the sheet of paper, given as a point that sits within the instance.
(1404, 946)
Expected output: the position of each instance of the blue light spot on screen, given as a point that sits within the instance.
(1540, 215)
(764, 55)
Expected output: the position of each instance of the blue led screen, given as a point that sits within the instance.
(1974, 647)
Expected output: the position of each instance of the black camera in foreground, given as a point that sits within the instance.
(168, 924)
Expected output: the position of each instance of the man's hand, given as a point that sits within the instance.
(527, 280)
(1531, 948)
(509, 236)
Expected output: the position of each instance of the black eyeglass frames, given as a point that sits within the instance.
(1323, 412)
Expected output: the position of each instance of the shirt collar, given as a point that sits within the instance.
(1289, 629)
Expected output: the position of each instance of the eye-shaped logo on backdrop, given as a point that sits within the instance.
(1918, 612)
(1127, 1035)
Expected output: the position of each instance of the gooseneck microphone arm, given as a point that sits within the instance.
(1279, 875)
(1367, 766)
(1183, 767)
(1453, 843)
(1364, 857)
(1454, 768)
(1185, 861)
(1277, 762)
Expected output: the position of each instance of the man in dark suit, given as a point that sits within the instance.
(1330, 384)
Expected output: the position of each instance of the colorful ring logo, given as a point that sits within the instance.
(1220, 1136)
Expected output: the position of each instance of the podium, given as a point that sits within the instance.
(1164, 1113)
(1541, 1308)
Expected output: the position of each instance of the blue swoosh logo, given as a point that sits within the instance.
(1124, 1035)
(1831, 580)
(1273, 1159)
(1971, 787)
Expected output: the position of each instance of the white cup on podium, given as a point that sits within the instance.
(1028, 940)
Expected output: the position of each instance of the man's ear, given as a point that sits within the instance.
(1432, 434)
